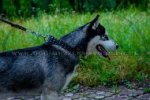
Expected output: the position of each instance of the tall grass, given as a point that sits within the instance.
(129, 28)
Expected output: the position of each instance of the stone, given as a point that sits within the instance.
(136, 93)
(100, 92)
(144, 97)
(91, 95)
(10, 98)
(99, 97)
(83, 98)
(76, 96)
(95, 93)
(30, 99)
(130, 98)
(66, 98)
(37, 98)
(69, 94)
(116, 98)
(108, 94)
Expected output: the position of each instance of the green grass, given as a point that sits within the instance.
(147, 90)
(129, 28)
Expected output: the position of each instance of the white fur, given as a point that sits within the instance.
(69, 78)
(91, 48)
(109, 45)
(51, 96)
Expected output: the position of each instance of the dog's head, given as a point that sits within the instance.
(99, 41)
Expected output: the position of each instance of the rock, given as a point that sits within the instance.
(99, 97)
(91, 95)
(108, 94)
(30, 99)
(87, 93)
(110, 98)
(83, 98)
(69, 94)
(37, 98)
(76, 96)
(10, 98)
(100, 92)
(117, 98)
(66, 98)
(134, 99)
(144, 97)
(135, 93)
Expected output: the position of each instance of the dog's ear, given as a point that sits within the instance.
(94, 23)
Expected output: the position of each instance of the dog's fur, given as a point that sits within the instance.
(48, 68)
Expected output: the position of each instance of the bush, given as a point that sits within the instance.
(32, 7)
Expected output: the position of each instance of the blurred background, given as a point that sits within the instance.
(27, 8)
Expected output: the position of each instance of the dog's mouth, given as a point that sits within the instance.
(102, 51)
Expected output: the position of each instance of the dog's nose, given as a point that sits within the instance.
(117, 46)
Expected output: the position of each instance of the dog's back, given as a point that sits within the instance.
(45, 66)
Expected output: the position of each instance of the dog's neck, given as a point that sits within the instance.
(77, 40)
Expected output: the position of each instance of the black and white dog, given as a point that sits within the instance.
(48, 68)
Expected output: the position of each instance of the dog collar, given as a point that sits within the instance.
(53, 41)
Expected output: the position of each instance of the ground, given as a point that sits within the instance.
(96, 93)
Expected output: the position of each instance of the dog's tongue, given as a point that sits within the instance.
(102, 51)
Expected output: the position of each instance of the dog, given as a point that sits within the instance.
(47, 69)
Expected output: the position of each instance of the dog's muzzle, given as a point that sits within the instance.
(102, 51)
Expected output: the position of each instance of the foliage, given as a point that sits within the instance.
(27, 8)
(147, 90)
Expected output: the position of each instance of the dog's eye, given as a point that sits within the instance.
(104, 38)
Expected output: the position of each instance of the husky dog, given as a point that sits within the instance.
(48, 68)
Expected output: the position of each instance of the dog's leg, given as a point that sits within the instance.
(49, 95)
